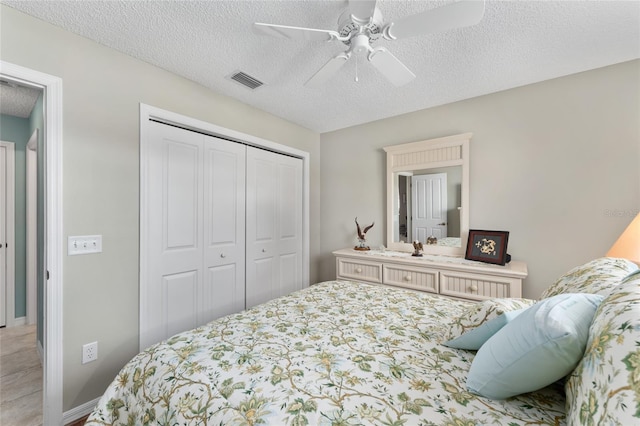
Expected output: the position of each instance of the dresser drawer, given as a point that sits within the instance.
(478, 287)
(415, 278)
(359, 270)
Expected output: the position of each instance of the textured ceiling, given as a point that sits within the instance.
(17, 100)
(516, 43)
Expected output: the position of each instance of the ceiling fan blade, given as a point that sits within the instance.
(328, 70)
(362, 10)
(454, 15)
(285, 31)
(391, 67)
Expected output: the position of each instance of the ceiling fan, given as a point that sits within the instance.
(361, 25)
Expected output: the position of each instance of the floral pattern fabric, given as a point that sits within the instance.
(598, 276)
(337, 353)
(604, 389)
(477, 314)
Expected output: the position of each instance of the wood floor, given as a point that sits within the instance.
(20, 377)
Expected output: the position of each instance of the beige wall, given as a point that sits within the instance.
(102, 90)
(555, 163)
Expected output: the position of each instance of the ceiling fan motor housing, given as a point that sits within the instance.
(349, 26)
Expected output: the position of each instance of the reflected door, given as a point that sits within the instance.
(429, 206)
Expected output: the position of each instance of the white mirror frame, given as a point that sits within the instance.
(430, 154)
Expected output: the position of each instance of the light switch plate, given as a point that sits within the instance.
(84, 244)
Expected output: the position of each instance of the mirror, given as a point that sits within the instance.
(427, 203)
(428, 195)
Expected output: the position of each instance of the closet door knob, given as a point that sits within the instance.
(264, 250)
(222, 255)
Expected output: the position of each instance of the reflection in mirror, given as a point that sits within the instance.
(427, 204)
(428, 195)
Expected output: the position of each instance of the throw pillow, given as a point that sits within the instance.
(478, 314)
(604, 389)
(598, 276)
(476, 337)
(541, 345)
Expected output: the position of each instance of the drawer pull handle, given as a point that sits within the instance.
(358, 270)
(407, 278)
(473, 288)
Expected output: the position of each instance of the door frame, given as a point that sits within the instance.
(53, 349)
(31, 154)
(148, 112)
(10, 240)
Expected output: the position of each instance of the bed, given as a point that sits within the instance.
(336, 353)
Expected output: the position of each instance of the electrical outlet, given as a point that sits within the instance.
(89, 352)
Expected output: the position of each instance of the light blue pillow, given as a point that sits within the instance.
(475, 338)
(541, 345)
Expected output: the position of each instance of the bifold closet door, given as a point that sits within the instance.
(195, 243)
(274, 225)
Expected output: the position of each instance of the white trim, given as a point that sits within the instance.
(19, 321)
(10, 234)
(148, 112)
(32, 227)
(53, 360)
(80, 411)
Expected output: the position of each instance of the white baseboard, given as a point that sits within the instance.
(19, 321)
(79, 411)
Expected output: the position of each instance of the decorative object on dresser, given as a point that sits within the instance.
(362, 246)
(488, 246)
(432, 240)
(444, 275)
(417, 249)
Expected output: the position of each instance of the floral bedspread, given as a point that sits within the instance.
(337, 353)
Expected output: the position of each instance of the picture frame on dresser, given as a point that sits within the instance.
(488, 246)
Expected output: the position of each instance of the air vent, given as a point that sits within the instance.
(246, 80)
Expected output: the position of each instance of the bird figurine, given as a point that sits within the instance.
(361, 236)
(417, 249)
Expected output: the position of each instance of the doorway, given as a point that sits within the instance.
(50, 241)
(7, 219)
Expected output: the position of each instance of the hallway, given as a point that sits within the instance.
(20, 377)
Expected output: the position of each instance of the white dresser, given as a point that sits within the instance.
(445, 275)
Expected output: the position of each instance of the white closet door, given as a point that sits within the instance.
(274, 225)
(224, 229)
(196, 231)
(174, 244)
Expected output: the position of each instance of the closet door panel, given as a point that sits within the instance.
(274, 225)
(175, 238)
(224, 229)
(261, 227)
(263, 274)
(290, 273)
(179, 301)
(222, 293)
